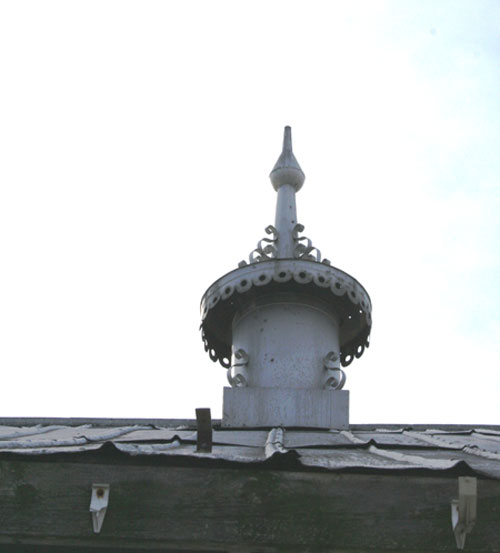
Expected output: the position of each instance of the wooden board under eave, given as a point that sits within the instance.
(240, 509)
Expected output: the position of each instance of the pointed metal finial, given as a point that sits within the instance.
(287, 169)
(287, 139)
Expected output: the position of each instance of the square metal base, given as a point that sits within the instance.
(287, 407)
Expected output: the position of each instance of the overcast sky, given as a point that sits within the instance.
(136, 140)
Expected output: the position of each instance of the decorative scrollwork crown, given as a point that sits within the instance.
(264, 252)
(266, 247)
(304, 248)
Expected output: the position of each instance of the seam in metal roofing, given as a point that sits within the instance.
(417, 461)
(472, 449)
(274, 442)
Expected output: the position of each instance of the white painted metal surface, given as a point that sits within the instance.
(464, 509)
(99, 501)
(263, 407)
(285, 221)
(286, 321)
(286, 343)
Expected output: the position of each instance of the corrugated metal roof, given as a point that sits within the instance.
(471, 450)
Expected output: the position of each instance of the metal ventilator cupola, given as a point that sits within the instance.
(284, 323)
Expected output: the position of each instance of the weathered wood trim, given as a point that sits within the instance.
(68, 546)
(220, 509)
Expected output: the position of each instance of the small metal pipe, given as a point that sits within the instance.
(204, 430)
(285, 221)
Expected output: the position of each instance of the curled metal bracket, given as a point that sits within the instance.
(264, 252)
(336, 377)
(236, 374)
(304, 248)
(99, 505)
(464, 509)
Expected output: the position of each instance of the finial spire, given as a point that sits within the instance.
(287, 169)
(287, 139)
(284, 323)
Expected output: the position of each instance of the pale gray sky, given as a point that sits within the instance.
(137, 139)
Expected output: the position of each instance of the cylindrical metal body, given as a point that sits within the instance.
(286, 341)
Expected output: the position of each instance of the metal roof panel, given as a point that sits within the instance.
(378, 449)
